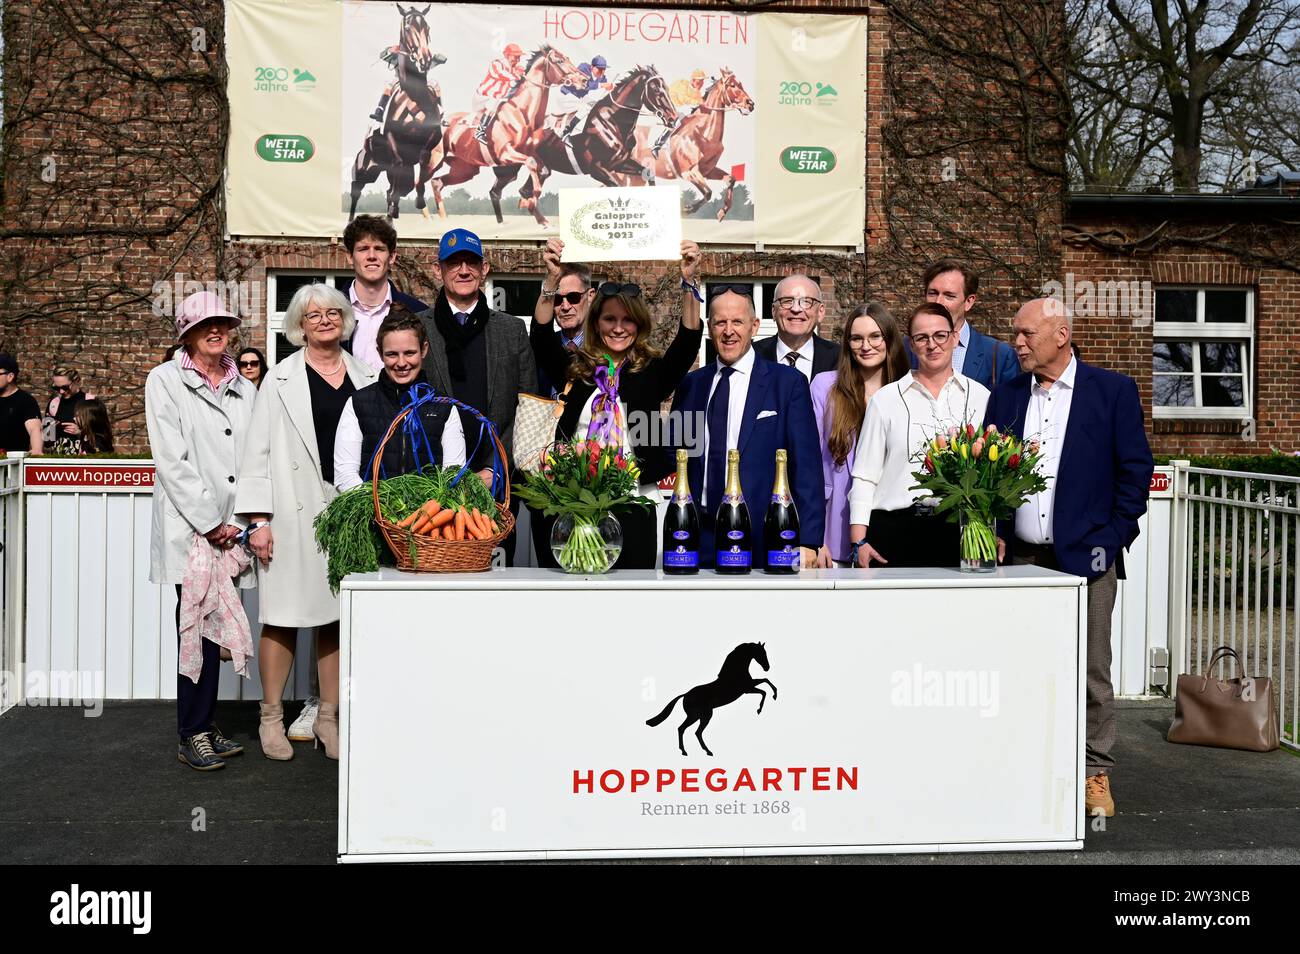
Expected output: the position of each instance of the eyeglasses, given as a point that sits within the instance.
(574, 297)
(316, 317)
(875, 339)
(250, 364)
(614, 288)
(939, 338)
(63, 387)
(736, 289)
(803, 302)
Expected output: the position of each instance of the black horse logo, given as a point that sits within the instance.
(733, 682)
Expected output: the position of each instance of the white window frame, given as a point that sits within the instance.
(275, 319)
(1200, 331)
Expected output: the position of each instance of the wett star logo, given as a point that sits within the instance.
(76, 907)
(733, 682)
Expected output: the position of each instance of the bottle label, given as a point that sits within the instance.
(683, 498)
(681, 535)
(787, 534)
(788, 557)
(681, 558)
(735, 557)
(736, 499)
(735, 534)
(781, 499)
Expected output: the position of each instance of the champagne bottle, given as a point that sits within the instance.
(781, 527)
(682, 526)
(732, 528)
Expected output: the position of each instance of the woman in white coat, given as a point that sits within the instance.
(198, 410)
(287, 479)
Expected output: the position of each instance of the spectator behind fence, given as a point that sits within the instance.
(60, 423)
(94, 426)
(286, 481)
(20, 415)
(198, 409)
(252, 365)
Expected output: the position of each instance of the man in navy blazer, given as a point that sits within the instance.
(745, 402)
(953, 284)
(798, 309)
(1098, 467)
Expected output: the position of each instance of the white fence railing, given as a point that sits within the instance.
(11, 581)
(1241, 542)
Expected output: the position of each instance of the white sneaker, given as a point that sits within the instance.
(301, 730)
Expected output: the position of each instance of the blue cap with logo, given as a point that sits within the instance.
(459, 240)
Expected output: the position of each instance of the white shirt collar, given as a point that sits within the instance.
(744, 364)
(963, 336)
(357, 302)
(806, 351)
(1066, 380)
(910, 380)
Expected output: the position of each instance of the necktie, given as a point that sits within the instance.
(717, 415)
(791, 358)
(462, 317)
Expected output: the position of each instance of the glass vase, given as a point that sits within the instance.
(586, 545)
(979, 545)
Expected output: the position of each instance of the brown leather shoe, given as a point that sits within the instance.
(326, 729)
(1096, 797)
(271, 733)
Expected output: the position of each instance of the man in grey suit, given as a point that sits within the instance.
(797, 309)
(478, 356)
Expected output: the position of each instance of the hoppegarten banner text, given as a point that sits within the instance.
(477, 116)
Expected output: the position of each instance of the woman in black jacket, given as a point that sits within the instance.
(617, 327)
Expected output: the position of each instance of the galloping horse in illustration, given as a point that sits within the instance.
(509, 133)
(412, 125)
(603, 148)
(733, 682)
(695, 146)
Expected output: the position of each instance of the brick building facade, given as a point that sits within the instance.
(113, 163)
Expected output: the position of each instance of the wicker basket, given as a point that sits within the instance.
(420, 554)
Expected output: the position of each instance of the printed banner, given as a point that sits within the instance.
(477, 116)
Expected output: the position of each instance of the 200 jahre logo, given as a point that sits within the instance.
(627, 223)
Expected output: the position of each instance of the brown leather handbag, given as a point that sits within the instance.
(1227, 713)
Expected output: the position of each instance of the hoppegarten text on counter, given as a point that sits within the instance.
(798, 779)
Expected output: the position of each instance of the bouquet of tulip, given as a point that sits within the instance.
(980, 477)
(582, 482)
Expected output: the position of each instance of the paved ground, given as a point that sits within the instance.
(107, 790)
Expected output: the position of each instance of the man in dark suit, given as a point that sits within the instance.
(1098, 467)
(371, 244)
(797, 309)
(743, 401)
(477, 355)
(953, 284)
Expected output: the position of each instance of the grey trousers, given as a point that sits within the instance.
(1100, 713)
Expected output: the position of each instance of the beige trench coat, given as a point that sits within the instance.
(197, 439)
(282, 476)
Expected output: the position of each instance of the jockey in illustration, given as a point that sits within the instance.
(502, 73)
(686, 95)
(596, 82)
(393, 56)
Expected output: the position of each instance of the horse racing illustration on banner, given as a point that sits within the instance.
(451, 111)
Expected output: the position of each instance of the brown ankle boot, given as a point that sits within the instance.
(275, 744)
(327, 729)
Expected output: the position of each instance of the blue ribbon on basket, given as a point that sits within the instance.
(421, 394)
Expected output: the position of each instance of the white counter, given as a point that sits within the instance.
(503, 714)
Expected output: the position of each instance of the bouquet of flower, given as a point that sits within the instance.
(980, 477)
(583, 481)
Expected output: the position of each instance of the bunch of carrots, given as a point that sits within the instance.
(449, 523)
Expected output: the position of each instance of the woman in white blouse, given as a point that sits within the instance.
(403, 346)
(888, 522)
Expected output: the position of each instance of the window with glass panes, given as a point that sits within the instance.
(514, 294)
(1201, 352)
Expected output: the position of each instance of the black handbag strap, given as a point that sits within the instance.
(1226, 652)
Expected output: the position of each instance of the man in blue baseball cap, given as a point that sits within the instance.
(466, 336)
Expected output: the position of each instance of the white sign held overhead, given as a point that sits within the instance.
(619, 225)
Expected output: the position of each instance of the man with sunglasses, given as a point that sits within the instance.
(567, 295)
(745, 402)
(797, 309)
